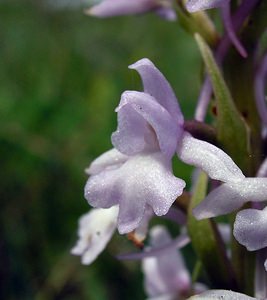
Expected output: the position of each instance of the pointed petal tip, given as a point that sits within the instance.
(141, 62)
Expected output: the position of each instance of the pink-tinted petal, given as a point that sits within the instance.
(110, 159)
(221, 294)
(196, 5)
(95, 230)
(250, 228)
(157, 86)
(231, 196)
(133, 132)
(111, 8)
(212, 160)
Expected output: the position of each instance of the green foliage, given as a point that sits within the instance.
(62, 74)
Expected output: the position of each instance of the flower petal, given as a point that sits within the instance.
(101, 190)
(231, 196)
(157, 86)
(220, 201)
(212, 160)
(250, 228)
(111, 8)
(110, 159)
(221, 294)
(146, 179)
(95, 230)
(165, 273)
(132, 131)
(167, 13)
(196, 5)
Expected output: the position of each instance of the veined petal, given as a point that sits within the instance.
(212, 160)
(221, 294)
(196, 5)
(157, 86)
(110, 159)
(132, 131)
(95, 230)
(231, 196)
(166, 273)
(250, 228)
(111, 8)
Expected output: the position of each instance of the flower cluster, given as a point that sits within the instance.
(134, 182)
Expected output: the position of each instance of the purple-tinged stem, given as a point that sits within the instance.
(226, 16)
(237, 20)
(260, 89)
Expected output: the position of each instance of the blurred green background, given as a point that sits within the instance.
(62, 74)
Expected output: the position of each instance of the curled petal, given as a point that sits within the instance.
(134, 128)
(110, 159)
(95, 230)
(221, 294)
(250, 228)
(144, 179)
(111, 8)
(212, 160)
(197, 5)
(231, 196)
(157, 86)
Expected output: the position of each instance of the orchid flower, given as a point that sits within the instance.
(165, 275)
(197, 5)
(137, 174)
(111, 8)
(95, 230)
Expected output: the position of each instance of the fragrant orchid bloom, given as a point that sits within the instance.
(111, 8)
(137, 173)
(197, 5)
(95, 230)
(165, 275)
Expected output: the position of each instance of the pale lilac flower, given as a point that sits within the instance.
(197, 5)
(111, 8)
(166, 276)
(95, 230)
(221, 294)
(139, 176)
